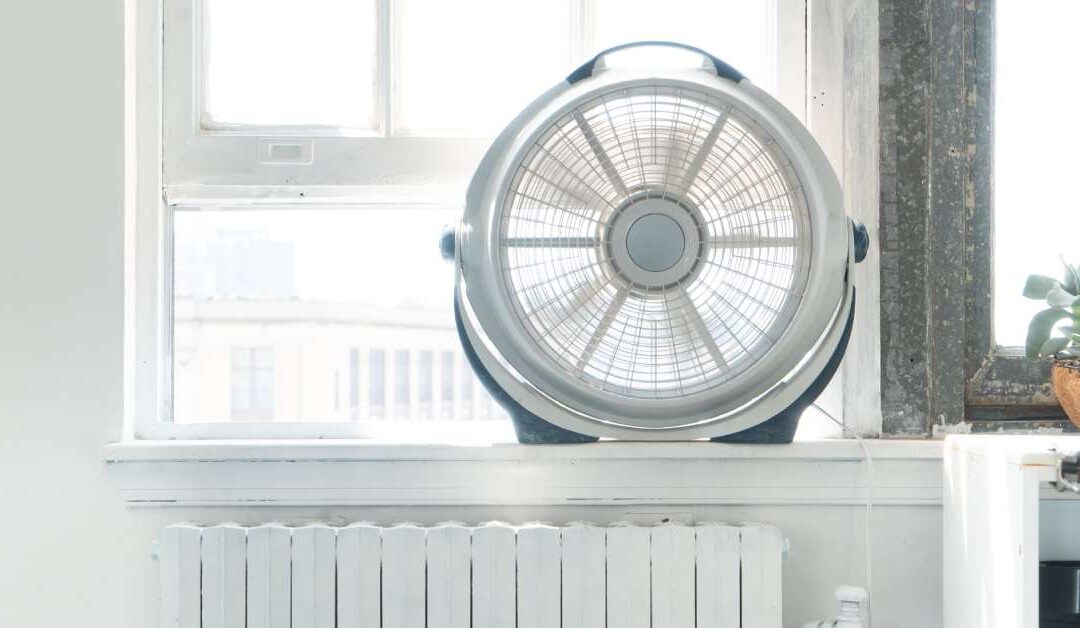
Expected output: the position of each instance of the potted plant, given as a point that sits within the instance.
(1054, 333)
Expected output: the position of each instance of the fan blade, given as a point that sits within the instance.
(564, 308)
(751, 241)
(703, 152)
(693, 318)
(552, 243)
(601, 329)
(601, 154)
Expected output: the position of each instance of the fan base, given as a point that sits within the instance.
(779, 430)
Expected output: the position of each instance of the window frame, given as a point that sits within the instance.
(173, 162)
(1003, 384)
(942, 370)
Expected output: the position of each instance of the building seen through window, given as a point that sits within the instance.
(295, 318)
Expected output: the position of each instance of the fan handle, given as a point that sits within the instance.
(722, 69)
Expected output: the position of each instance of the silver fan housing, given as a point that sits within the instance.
(653, 241)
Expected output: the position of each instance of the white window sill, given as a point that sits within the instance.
(370, 473)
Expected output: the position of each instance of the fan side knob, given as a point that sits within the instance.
(862, 240)
(448, 243)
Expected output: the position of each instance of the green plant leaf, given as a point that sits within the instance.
(1058, 297)
(1072, 276)
(1039, 329)
(1053, 346)
(1038, 286)
(1071, 352)
(1069, 330)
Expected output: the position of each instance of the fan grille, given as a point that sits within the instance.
(701, 160)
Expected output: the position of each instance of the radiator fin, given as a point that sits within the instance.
(628, 576)
(538, 575)
(449, 565)
(403, 588)
(493, 576)
(181, 599)
(359, 576)
(584, 576)
(760, 575)
(672, 553)
(717, 558)
(269, 576)
(313, 577)
(224, 578)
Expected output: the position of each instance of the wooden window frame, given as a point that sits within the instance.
(942, 371)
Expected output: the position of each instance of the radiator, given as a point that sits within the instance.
(457, 576)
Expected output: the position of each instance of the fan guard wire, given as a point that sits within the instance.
(703, 161)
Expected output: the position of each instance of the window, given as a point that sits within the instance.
(402, 384)
(354, 384)
(971, 186)
(467, 390)
(425, 383)
(286, 63)
(446, 394)
(251, 384)
(1026, 186)
(1037, 216)
(377, 383)
(448, 49)
(310, 155)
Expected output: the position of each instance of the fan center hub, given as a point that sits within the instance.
(655, 242)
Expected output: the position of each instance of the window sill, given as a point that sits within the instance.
(372, 473)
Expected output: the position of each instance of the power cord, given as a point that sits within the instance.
(869, 508)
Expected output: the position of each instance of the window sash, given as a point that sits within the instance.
(237, 161)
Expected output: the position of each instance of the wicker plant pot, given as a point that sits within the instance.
(1066, 382)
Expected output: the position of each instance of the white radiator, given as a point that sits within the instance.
(456, 576)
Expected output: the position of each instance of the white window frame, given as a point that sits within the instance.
(174, 160)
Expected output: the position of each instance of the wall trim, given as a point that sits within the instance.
(371, 474)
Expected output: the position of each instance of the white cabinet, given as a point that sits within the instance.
(1001, 517)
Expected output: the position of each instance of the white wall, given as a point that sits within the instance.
(71, 553)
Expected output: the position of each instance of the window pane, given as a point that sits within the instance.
(466, 380)
(354, 384)
(280, 62)
(377, 383)
(737, 31)
(290, 297)
(446, 396)
(402, 378)
(251, 384)
(426, 376)
(1036, 215)
(471, 66)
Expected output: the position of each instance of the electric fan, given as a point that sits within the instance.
(654, 256)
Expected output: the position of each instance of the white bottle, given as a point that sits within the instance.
(852, 607)
(852, 610)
